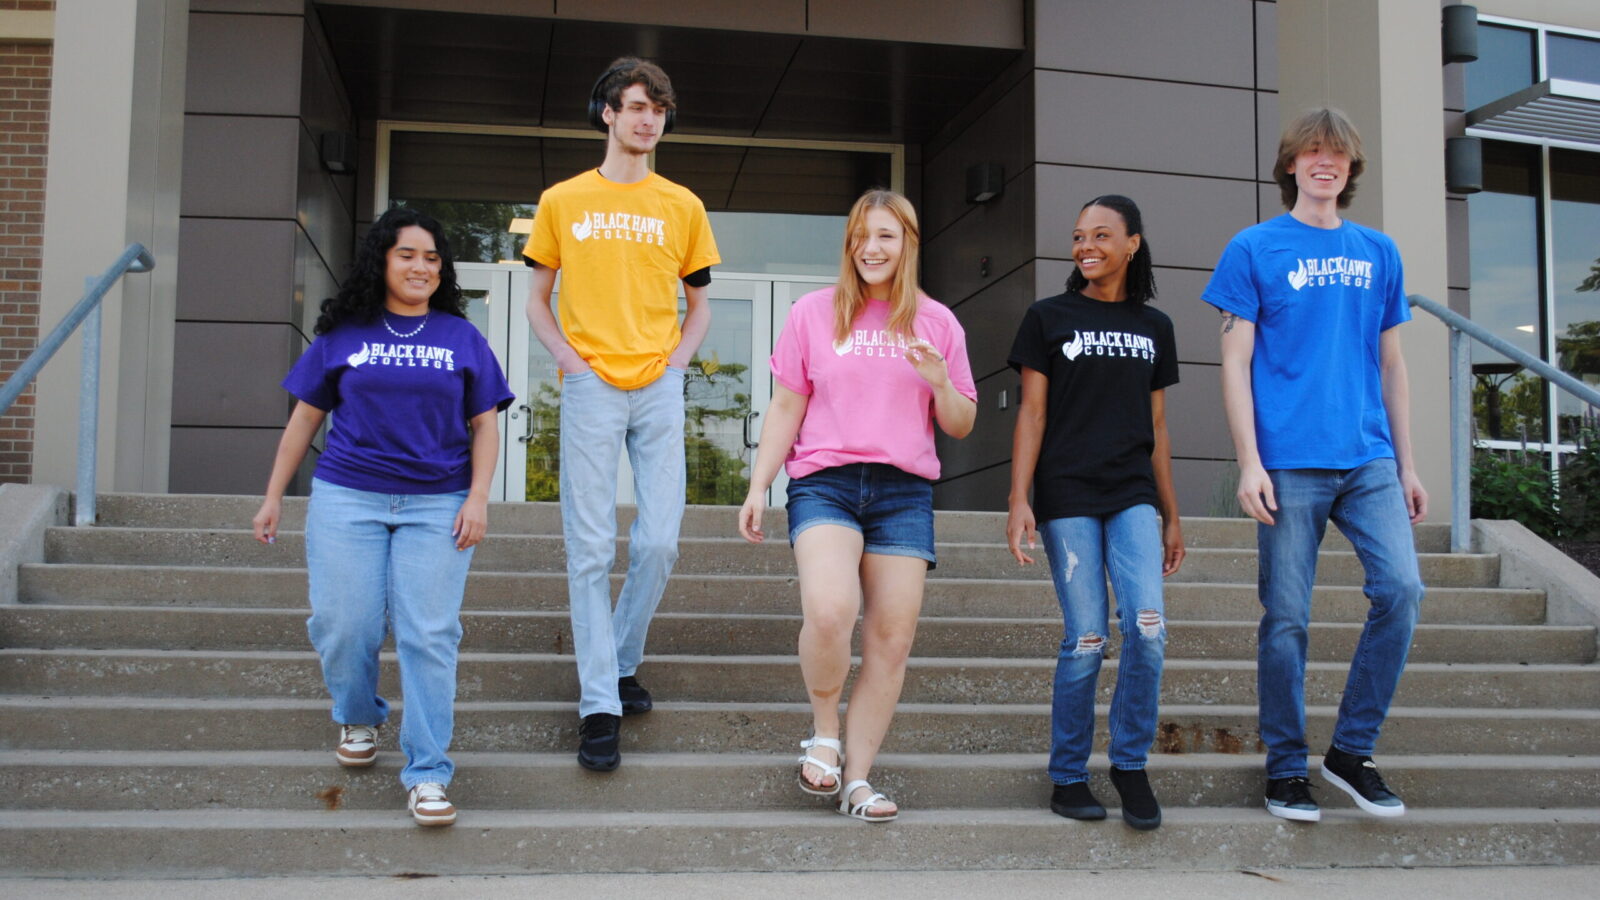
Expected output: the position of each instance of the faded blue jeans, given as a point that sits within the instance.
(1083, 550)
(597, 421)
(379, 562)
(1367, 504)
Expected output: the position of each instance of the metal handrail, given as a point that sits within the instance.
(86, 313)
(1462, 328)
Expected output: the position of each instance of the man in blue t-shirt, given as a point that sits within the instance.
(1318, 405)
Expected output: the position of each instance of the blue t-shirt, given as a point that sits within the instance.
(400, 406)
(1319, 298)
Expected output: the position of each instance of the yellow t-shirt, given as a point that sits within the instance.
(621, 249)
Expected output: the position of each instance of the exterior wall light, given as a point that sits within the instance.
(985, 181)
(1463, 165)
(1460, 35)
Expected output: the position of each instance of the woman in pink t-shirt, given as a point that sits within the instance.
(861, 372)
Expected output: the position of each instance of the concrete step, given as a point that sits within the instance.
(349, 842)
(127, 723)
(175, 628)
(659, 782)
(79, 583)
(725, 556)
(215, 511)
(760, 679)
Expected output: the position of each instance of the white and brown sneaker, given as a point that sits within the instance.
(358, 746)
(429, 805)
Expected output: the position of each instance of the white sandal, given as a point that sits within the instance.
(859, 810)
(806, 759)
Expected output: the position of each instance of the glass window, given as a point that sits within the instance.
(1575, 248)
(1504, 227)
(1504, 66)
(1572, 57)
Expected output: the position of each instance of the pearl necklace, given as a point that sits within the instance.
(414, 332)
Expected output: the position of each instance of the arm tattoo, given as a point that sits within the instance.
(1228, 319)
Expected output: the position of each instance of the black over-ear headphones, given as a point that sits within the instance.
(597, 103)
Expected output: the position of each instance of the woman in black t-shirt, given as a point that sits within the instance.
(1091, 442)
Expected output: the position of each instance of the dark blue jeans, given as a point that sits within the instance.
(1368, 506)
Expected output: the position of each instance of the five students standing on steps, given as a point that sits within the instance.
(1314, 388)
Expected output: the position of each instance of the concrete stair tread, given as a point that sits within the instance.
(561, 615)
(229, 547)
(733, 659)
(389, 760)
(287, 842)
(1020, 709)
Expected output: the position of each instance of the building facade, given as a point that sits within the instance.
(248, 143)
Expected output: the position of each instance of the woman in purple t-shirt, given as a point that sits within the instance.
(861, 372)
(401, 491)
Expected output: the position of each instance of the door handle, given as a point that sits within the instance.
(526, 436)
(749, 444)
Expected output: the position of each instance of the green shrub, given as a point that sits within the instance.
(1515, 486)
(1580, 489)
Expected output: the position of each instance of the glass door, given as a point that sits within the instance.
(492, 293)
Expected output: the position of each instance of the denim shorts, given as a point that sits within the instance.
(891, 508)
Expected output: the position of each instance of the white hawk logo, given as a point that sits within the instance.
(582, 230)
(1298, 278)
(357, 360)
(1071, 349)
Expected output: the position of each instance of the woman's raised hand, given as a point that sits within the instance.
(928, 361)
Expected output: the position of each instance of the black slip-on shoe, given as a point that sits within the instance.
(1139, 807)
(635, 699)
(1076, 801)
(598, 740)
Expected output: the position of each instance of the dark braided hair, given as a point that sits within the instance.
(361, 297)
(1141, 281)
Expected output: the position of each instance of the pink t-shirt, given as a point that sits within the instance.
(868, 404)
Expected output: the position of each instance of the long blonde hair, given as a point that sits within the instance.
(850, 297)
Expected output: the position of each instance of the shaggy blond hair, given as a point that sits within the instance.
(1323, 127)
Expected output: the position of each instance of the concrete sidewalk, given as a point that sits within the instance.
(1546, 883)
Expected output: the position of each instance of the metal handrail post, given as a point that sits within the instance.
(1460, 442)
(134, 259)
(88, 413)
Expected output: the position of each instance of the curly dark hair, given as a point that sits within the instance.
(362, 295)
(1141, 283)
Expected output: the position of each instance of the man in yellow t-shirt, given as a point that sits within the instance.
(622, 237)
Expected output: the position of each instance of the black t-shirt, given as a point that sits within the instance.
(1103, 360)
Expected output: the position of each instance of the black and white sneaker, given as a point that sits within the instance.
(1290, 798)
(1358, 776)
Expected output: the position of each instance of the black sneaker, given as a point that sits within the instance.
(1139, 807)
(635, 699)
(598, 738)
(1076, 801)
(1290, 798)
(1358, 776)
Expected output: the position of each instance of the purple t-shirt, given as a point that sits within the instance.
(400, 405)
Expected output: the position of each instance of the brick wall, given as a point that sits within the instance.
(24, 127)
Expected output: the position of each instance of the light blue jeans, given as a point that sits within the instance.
(597, 421)
(379, 562)
(1083, 550)
(1366, 503)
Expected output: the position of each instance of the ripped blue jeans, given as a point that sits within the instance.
(1083, 551)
